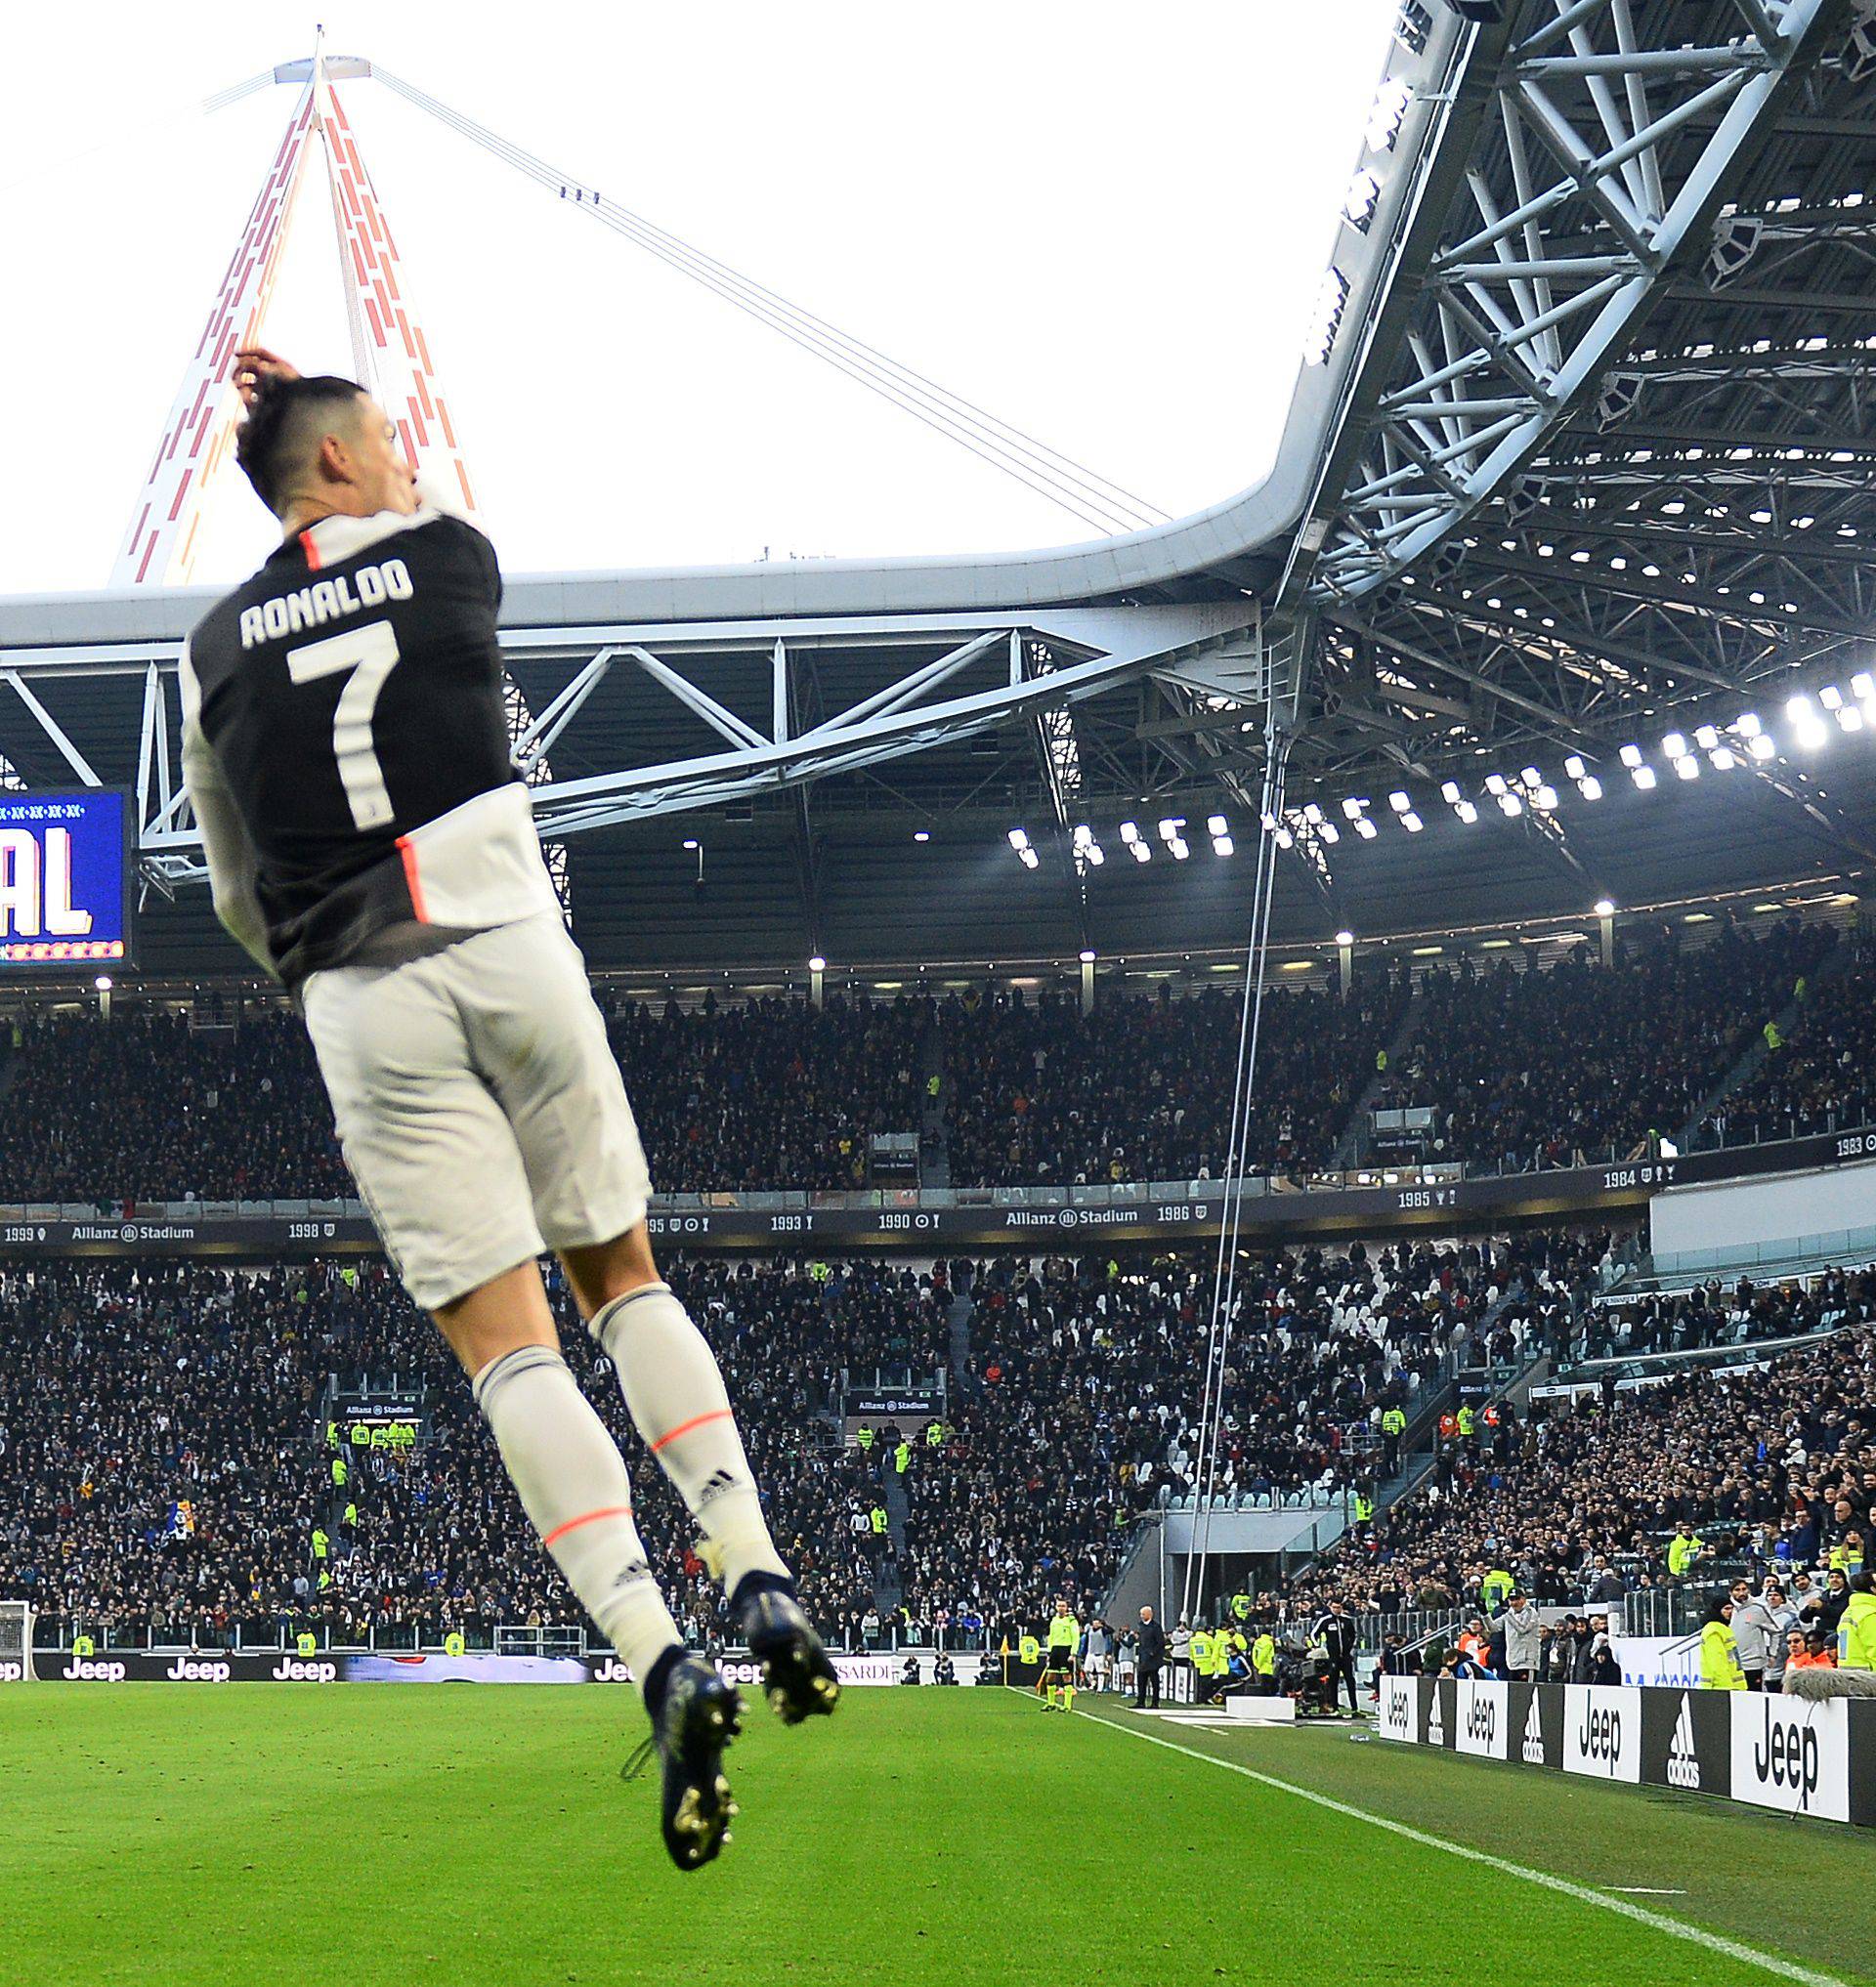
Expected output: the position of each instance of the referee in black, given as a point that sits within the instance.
(1336, 1634)
(1152, 1658)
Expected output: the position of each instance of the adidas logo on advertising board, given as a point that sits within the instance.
(1684, 1763)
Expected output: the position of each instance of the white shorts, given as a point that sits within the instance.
(478, 1105)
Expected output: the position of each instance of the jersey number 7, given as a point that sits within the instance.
(369, 653)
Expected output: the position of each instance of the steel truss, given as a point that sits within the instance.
(933, 678)
(1591, 440)
(1607, 163)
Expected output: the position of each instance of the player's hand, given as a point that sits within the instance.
(254, 364)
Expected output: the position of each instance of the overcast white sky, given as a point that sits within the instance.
(1105, 223)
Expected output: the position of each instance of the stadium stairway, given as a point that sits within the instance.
(1348, 1147)
(888, 1589)
(961, 1311)
(1136, 1584)
(934, 1142)
(1790, 1022)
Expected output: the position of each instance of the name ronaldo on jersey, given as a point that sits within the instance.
(326, 600)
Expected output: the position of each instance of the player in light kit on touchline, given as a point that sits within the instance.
(370, 843)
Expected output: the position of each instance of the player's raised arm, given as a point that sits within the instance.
(254, 364)
(234, 869)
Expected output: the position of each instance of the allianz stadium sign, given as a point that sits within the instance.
(985, 1219)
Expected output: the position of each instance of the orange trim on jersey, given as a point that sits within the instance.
(311, 549)
(411, 882)
(685, 1428)
(587, 1518)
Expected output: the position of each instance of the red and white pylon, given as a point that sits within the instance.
(390, 349)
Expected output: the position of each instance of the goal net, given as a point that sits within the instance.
(15, 1642)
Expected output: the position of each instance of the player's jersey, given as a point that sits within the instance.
(352, 694)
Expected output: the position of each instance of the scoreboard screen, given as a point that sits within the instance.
(65, 873)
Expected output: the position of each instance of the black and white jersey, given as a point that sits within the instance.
(345, 708)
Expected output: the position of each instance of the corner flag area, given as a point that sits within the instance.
(484, 1834)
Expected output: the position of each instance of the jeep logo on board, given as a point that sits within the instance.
(1791, 1754)
(293, 1671)
(1599, 1737)
(1785, 1757)
(186, 1670)
(1602, 1730)
(83, 1669)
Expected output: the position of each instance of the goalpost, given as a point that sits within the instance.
(15, 1642)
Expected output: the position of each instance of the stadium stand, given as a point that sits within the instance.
(1772, 1462)
(1039, 1091)
(1522, 1069)
(769, 1093)
(163, 1466)
(163, 1463)
(1824, 1077)
(1544, 1068)
(220, 1114)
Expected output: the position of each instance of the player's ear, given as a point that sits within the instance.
(336, 461)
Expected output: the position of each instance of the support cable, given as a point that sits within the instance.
(1089, 496)
(1231, 1222)
(143, 130)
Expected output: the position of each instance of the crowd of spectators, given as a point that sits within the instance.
(164, 1460)
(1083, 1392)
(1520, 1069)
(771, 1092)
(1715, 1313)
(1141, 1088)
(149, 1106)
(1555, 1067)
(1822, 1077)
(164, 1464)
(1767, 1465)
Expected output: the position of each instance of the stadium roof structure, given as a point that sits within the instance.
(1578, 461)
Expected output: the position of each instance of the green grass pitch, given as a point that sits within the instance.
(157, 1835)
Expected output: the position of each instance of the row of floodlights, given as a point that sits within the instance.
(1359, 210)
(1744, 742)
(1089, 855)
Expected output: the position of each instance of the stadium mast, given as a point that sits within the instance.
(390, 351)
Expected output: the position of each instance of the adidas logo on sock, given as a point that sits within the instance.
(714, 1485)
(1684, 1763)
(631, 1573)
(1534, 1735)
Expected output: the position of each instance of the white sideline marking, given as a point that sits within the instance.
(1642, 1890)
(1675, 1928)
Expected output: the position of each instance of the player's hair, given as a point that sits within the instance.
(279, 425)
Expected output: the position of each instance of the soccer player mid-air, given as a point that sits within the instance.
(370, 843)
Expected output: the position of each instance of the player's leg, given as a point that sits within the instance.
(438, 1163)
(542, 1047)
(564, 1466)
(675, 1395)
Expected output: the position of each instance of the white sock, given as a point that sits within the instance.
(574, 1487)
(676, 1399)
